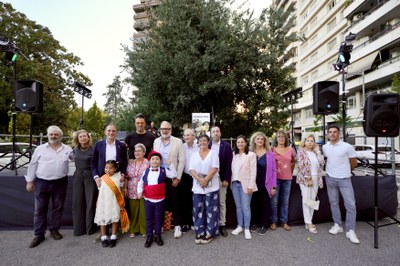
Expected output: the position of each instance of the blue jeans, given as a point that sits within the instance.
(344, 186)
(282, 197)
(242, 202)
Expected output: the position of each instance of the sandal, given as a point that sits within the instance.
(312, 229)
(132, 235)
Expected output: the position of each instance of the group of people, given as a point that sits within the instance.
(131, 184)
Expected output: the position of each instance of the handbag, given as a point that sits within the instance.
(312, 203)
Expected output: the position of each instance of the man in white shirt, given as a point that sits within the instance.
(47, 178)
(171, 150)
(341, 159)
(185, 193)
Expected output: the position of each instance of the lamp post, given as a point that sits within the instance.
(292, 97)
(85, 92)
(342, 62)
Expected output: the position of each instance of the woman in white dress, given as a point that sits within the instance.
(310, 163)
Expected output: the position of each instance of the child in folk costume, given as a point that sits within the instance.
(110, 207)
(152, 187)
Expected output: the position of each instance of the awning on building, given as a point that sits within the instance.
(362, 64)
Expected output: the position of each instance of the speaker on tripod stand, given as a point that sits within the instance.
(381, 119)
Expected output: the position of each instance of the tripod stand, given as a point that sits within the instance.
(376, 207)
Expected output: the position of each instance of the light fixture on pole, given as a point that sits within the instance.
(292, 97)
(342, 62)
(85, 92)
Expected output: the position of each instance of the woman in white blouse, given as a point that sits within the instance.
(203, 167)
(310, 163)
(243, 184)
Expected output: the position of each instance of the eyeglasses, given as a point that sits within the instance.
(166, 129)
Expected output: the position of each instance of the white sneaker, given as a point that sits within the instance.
(335, 229)
(247, 234)
(237, 231)
(177, 232)
(352, 236)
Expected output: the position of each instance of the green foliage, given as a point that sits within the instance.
(48, 62)
(95, 122)
(203, 57)
(115, 101)
(395, 84)
(317, 123)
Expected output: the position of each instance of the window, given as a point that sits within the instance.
(313, 22)
(314, 75)
(314, 57)
(331, 45)
(351, 102)
(309, 113)
(331, 4)
(331, 24)
(305, 80)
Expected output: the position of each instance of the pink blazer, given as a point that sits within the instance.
(247, 171)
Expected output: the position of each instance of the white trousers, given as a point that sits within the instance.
(306, 193)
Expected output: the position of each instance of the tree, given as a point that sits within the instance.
(48, 62)
(95, 122)
(203, 57)
(114, 98)
(395, 84)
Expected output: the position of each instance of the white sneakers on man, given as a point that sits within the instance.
(177, 232)
(352, 236)
(237, 231)
(335, 229)
(247, 234)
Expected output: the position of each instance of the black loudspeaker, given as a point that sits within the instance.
(326, 97)
(28, 96)
(381, 115)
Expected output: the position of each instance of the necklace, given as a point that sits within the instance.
(84, 148)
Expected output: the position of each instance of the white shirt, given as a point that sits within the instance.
(238, 160)
(152, 179)
(337, 162)
(189, 150)
(215, 146)
(202, 167)
(314, 162)
(48, 164)
(111, 151)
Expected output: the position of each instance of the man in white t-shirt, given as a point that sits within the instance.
(341, 159)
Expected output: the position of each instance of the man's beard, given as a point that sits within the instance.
(55, 141)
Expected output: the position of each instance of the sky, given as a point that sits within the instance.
(94, 31)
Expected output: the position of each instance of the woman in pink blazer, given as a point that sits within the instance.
(243, 184)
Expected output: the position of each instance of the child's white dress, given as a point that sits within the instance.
(107, 209)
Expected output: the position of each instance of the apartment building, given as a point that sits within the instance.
(374, 60)
(142, 18)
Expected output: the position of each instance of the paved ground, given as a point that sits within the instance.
(298, 247)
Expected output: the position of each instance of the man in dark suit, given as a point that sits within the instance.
(108, 149)
(224, 150)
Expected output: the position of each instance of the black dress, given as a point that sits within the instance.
(84, 194)
(260, 201)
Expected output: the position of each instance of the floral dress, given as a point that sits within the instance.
(135, 171)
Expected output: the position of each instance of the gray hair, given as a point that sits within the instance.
(141, 146)
(54, 128)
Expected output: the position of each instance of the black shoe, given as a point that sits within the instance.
(113, 243)
(56, 235)
(158, 240)
(36, 241)
(262, 230)
(185, 228)
(105, 243)
(222, 231)
(253, 227)
(149, 240)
